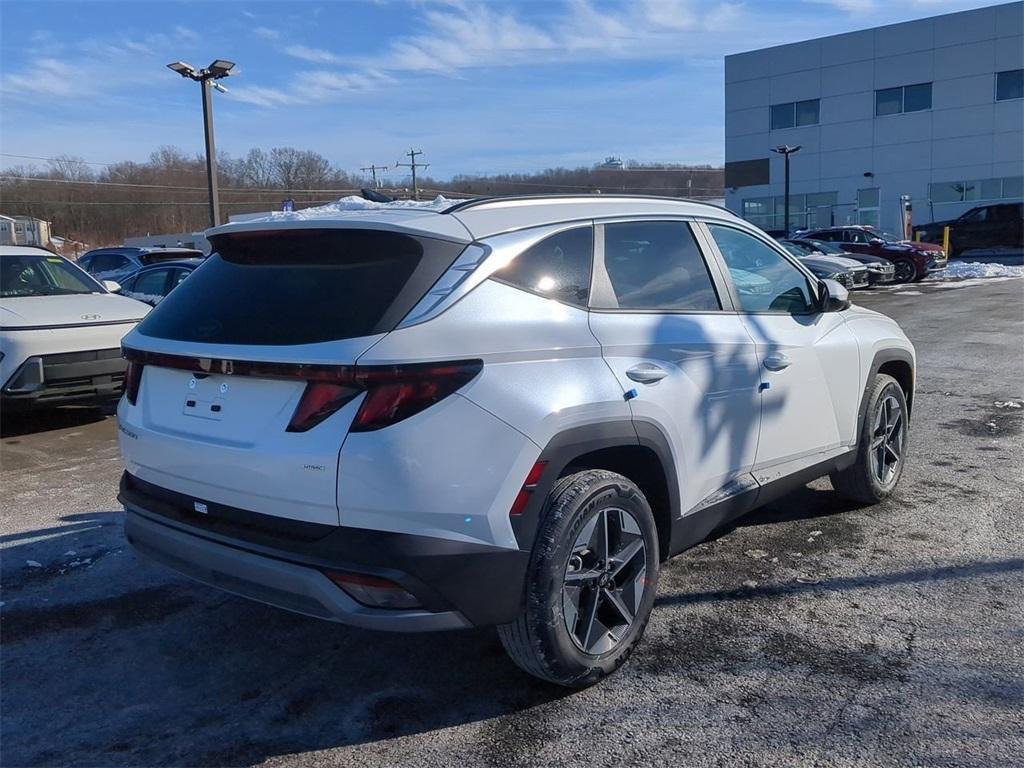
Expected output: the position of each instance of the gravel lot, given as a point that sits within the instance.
(812, 634)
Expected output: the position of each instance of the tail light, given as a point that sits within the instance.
(132, 380)
(393, 392)
(397, 392)
(319, 400)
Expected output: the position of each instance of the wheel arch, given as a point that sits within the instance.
(895, 362)
(638, 451)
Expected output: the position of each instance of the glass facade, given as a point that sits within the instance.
(1006, 188)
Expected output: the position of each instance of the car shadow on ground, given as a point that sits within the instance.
(153, 669)
(17, 422)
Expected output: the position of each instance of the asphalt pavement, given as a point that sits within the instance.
(813, 633)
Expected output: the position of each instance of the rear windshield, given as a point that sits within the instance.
(301, 287)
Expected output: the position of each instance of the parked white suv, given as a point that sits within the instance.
(506, 412)
(60, 331)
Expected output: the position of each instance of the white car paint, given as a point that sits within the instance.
(452, 471)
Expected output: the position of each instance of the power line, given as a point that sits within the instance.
(144, 202)
(413, 165)
(276, 191)
(373, 170)
(57, 159)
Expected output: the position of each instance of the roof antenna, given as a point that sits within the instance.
(375, 197)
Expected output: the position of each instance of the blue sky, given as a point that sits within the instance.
(485, 87)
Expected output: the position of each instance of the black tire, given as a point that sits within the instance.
(906, 270)
(540, 641)
(861, 482)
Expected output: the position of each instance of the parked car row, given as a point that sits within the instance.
(995, 227)
(911, 261)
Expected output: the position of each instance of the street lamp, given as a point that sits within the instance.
(207, 79)
(785, 150)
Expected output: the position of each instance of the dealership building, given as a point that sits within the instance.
(926, 115)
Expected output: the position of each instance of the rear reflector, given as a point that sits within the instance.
(373, 591)
(529, 485)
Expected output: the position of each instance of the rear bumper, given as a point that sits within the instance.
(272, 561)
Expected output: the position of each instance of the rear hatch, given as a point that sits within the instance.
(242, 383)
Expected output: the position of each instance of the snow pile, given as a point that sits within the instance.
(971, 270)
(353, 203)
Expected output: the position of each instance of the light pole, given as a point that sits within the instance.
(207, 80)
(785, 150)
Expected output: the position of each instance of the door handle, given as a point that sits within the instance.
(647, 373)
(776, 362)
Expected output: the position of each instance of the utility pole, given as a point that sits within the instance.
(786, 151)
(207, 79)
(373, 171)
(412, 164)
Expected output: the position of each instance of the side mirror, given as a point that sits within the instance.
(112, 285)
(876, 241)
(834, 297)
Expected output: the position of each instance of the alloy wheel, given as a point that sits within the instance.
(905, 271)
(605, 579)
(887, 438)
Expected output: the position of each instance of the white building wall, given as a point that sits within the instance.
(966, 135)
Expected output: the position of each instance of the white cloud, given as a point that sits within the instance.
(186, 34)
(314, 55)
(266, 33)
(47, 77)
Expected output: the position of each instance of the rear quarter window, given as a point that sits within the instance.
(286, 287)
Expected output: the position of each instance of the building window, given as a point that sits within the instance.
(795, 114)
(906, 98)
(1006, 188)
(868, 204)
(1010, 85)
(805, 211)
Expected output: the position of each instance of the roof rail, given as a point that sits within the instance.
(476, 201)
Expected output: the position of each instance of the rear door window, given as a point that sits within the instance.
(283, 287)
(656, 265)
(558, 267)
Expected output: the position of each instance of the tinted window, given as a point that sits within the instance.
(1010, 85)
(107, 262)
(917, 97)
(151, 283)
(301, 287)
(782, 116)
(807, 112)
(765, 280)
(889, 101)
(179, 275)
(657, 265)
(558, 266)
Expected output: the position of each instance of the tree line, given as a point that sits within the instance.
(101, 204)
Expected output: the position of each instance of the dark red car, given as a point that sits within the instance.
(912, 261)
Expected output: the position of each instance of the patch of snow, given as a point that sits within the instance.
(1007, 404)
(33, 564)
(968, 270)
(911, 293)
(353, 203)
(149, 298)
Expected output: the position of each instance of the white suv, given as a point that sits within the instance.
(505, 412)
